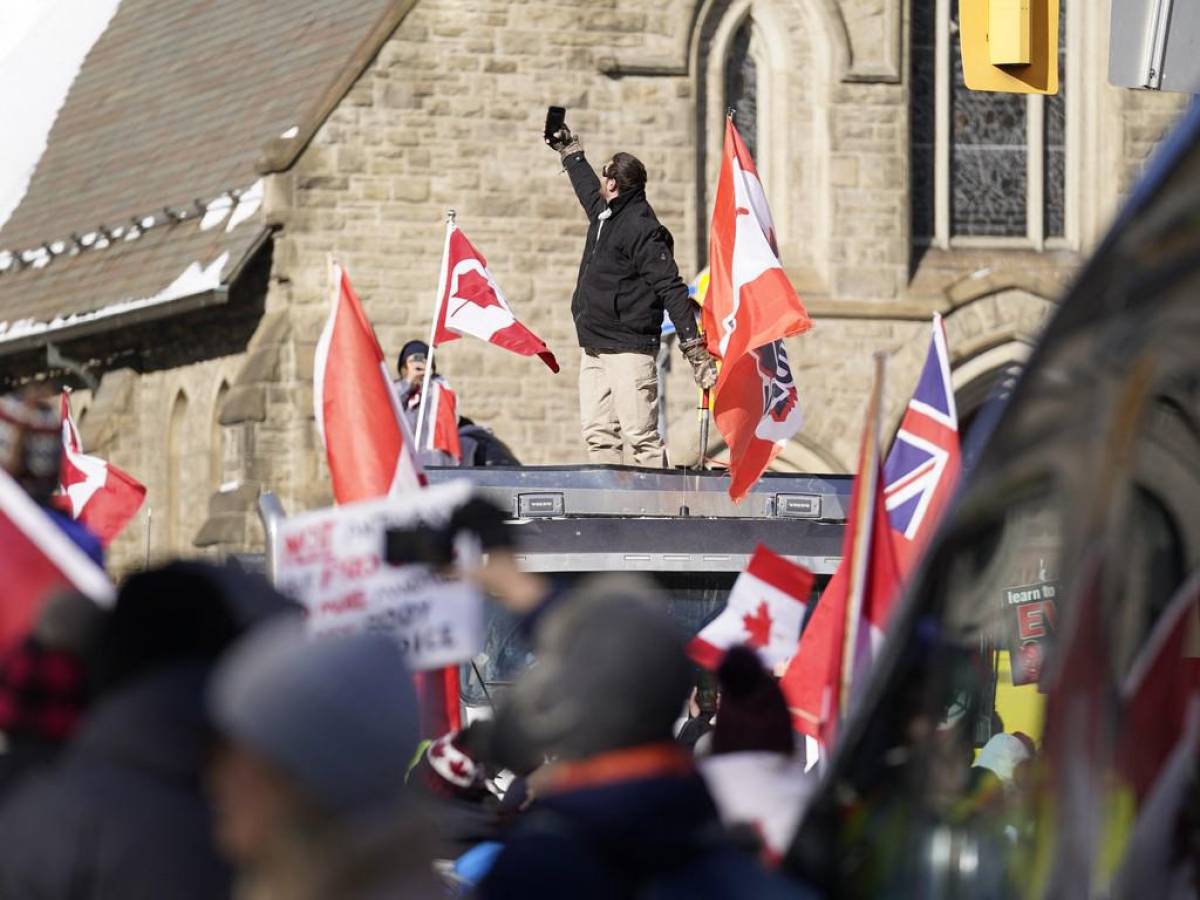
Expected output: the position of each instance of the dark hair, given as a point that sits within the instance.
(628, 171)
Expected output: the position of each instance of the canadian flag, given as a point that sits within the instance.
(765, 611)
(367, 441)
(750, 307)
(848, 625)
(36, 560)
(91, 490)
(470, 302)
(443, 413)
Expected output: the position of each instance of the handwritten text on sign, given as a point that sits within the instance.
(331, 560)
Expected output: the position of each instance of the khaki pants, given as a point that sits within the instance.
(618, 401)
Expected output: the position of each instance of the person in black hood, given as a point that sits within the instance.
(627, 277)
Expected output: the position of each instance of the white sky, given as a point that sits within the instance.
(42, 45)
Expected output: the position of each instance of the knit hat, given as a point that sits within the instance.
(452, 766)
(336, 714)
(412, 348)
(181, 612)
(752, 714)
(611, 673)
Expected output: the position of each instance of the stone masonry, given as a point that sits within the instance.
(449, 115)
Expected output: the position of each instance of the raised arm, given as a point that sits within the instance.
(583, 179)
(586, 184)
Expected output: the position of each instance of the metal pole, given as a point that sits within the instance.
(868, 473)
(437, 310)
(702, 462)
(271, 512)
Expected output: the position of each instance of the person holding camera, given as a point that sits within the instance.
(627, 277)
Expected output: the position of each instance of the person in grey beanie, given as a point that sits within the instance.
(620, 811)
(308, 781)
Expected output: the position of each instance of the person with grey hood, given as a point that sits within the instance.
(308, 783)
(620, 811)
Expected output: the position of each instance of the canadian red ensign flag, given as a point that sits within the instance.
(470, 302)
(848, 626)
(367, 441)
(37, 559)
(750, 307)
(92, 490)
(765, 611)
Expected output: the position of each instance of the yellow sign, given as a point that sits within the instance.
(996, 35)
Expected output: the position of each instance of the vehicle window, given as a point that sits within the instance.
(937, 782)
(693, 600)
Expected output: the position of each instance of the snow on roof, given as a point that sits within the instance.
(243, 203)
(43, 47)
(195, 279)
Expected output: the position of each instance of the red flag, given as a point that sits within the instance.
(94, 491)
(366, 438)
(470, 302)
(36, 559)
(444, 416)
(1161, 684)
(750, 307)
(843, 635)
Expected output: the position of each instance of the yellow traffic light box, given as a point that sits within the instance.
(1010, 45)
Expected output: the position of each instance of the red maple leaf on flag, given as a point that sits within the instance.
(758, 626)
(474, 288)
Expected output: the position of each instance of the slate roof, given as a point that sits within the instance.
(175, 103)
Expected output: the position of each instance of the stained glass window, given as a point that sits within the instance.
(1056, 142)
(988, 156)
(922, 116)
(741, 87)
(986, 142)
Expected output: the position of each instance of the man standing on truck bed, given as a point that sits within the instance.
(626, 278)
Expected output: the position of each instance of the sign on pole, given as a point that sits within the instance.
(1155, 44)
(332, 561)
(1010, 45)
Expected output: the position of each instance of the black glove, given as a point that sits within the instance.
(704, 367)
(565, 143)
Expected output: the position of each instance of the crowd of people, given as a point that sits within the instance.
(194, 740)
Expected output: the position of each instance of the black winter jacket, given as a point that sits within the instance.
(628, 273)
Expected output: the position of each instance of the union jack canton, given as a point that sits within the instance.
(922, 466)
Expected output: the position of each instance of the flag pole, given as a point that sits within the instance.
(864, 516)
(705, 408)
(437, 311)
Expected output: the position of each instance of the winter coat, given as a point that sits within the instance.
(643, 837)
(122, 813)
(628, 273)
(480, 447)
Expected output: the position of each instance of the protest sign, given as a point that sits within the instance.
(1033, 618)
(332, 561)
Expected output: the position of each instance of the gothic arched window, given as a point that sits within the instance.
(986, 167)
(741, 85)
